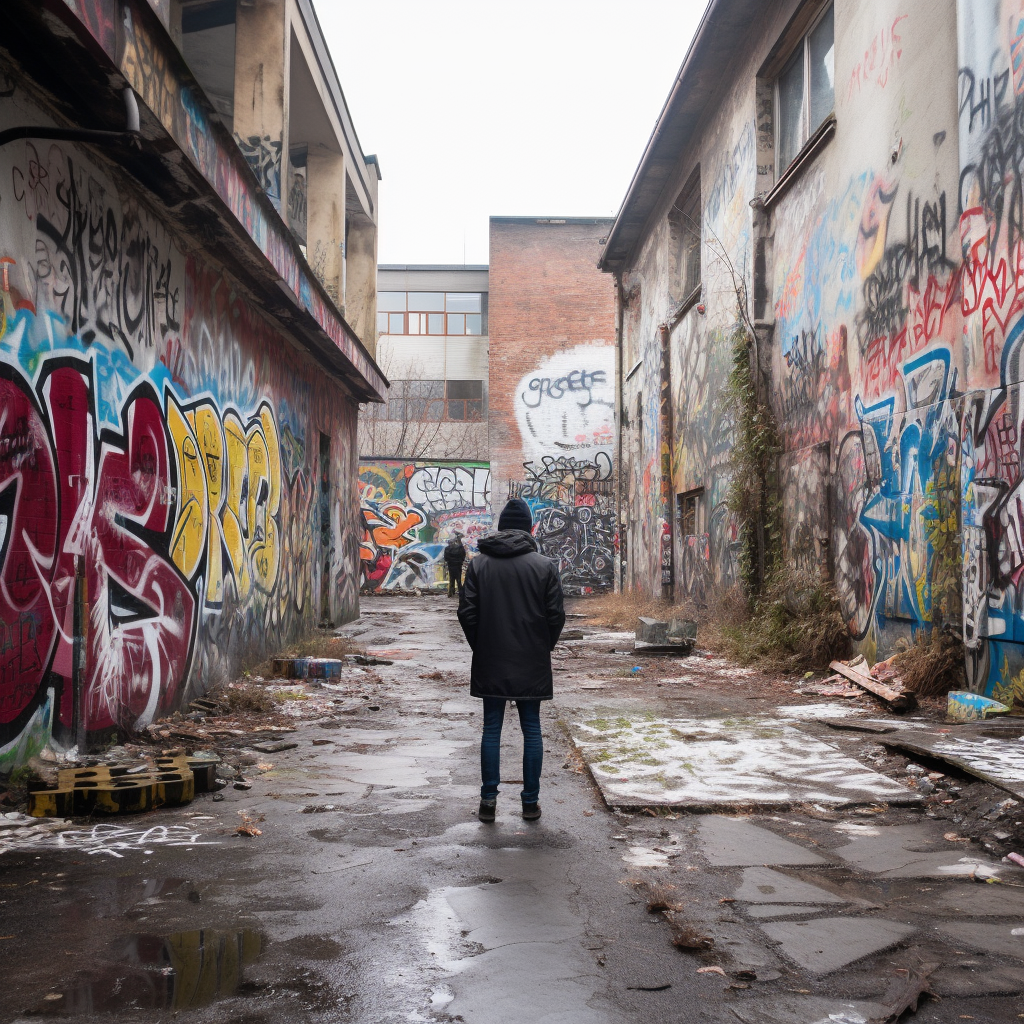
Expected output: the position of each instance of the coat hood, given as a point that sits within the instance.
(507, 544)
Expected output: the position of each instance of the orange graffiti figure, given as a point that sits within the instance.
(388, 526)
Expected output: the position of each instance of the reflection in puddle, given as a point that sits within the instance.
(181, 971)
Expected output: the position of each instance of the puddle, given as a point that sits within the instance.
(181, 971)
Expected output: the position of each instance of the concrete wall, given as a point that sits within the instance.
(889, 332)
(552, 389)
(410, 510)
(160, 440)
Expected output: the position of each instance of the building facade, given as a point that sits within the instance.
(179, 386)
(423, 469)
(847, 195)
(552, 389)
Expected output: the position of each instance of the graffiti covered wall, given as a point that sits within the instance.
(160, 447)
(891, 272)
(552, 391)
(410, 510)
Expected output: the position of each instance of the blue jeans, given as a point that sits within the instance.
(490, 748)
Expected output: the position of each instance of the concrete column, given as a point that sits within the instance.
(261, 93)
(325, 219)
(361, 279)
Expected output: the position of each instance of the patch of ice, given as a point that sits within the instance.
(855, 828)
(819, 711)
(642, 857)
(723, 762)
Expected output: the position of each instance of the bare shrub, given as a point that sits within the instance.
(933, 665)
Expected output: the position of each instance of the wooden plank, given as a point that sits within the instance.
(897, 701)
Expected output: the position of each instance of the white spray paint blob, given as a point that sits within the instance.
(565, 407)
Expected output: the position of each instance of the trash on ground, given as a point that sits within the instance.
(711, 970)
(249, 823)
(654, 636)
(964, 706)
(115, 789)
(895, 699)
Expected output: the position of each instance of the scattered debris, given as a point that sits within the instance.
(274, 748)
(964, 706)
(896, 700)
(308, 668)
(653, 636)
(1015, 858)
(249, 823)
(711, 970)
(649, 988)
(905, 993)
(686, 936)
(116, 789)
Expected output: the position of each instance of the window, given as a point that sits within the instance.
(464, 400)
(685, 226)
(805, 90)
(451, 313)
(690, 510)
(434, 400)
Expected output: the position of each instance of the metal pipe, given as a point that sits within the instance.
(131, 134)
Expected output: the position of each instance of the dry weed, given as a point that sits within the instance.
(239, 698)
(931, 666)
(660, 898)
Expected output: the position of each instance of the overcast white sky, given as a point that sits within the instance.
(481, 107)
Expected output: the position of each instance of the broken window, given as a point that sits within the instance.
(805, 89)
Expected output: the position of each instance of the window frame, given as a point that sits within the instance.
(687, 503)
(690, 193)
(808, 133)
(470, 318)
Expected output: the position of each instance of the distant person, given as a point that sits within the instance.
(512, 613)
(454, 556)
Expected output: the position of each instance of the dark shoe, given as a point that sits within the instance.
(486, 811)
(531, 812)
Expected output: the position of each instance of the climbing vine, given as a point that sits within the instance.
(754, 496)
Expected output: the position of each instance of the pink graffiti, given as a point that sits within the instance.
(880, 57)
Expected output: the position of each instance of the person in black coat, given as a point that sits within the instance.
(454, 556)
(512, 613)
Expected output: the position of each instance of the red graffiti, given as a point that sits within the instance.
(880, 57)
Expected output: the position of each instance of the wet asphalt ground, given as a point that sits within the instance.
(373, 894)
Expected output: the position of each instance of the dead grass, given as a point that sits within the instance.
(321, 643)
(660, 898)
(931, 666)
(796, 627)
(243, 698)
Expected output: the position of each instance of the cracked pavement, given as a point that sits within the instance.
(374, 895)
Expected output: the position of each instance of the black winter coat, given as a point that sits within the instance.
(512, 614)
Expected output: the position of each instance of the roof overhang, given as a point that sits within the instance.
(76, 63)
(703, 75)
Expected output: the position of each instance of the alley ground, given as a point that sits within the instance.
(372, 893)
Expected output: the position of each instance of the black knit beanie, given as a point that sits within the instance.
(515, 516)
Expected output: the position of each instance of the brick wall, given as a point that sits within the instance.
(552, 389)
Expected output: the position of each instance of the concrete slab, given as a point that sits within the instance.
(916, 851)
(762, 885)
(978, 901)
(994, 938)
(829, 943)
(716, 764)
(729, 842)
(996, 761)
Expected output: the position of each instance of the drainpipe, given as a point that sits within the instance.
(620, 561)
(667, 496)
